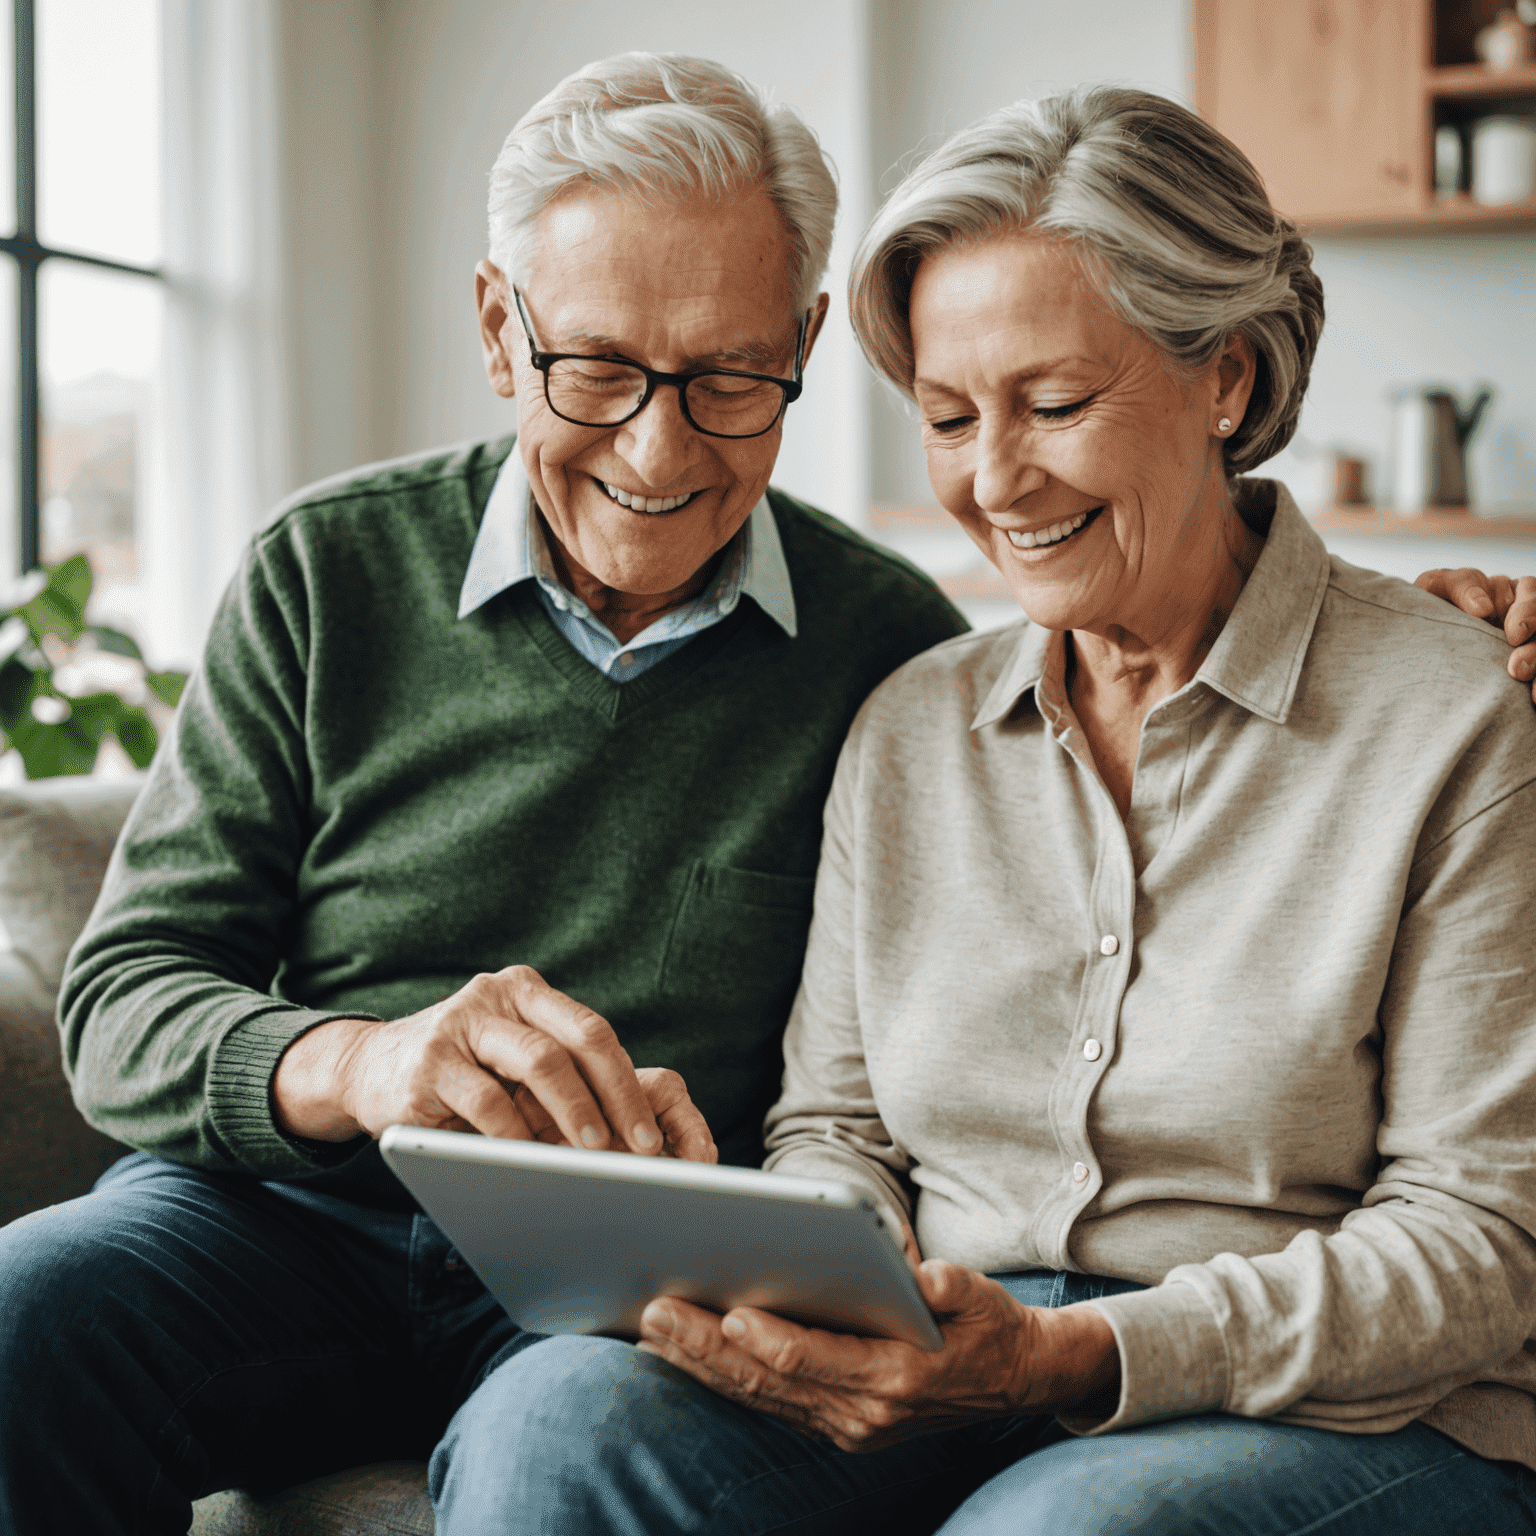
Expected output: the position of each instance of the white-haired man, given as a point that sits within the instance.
(503, 773)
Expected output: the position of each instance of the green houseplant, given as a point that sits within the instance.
(66, 684)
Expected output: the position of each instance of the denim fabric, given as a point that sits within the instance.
(176, 1332)
(612, 1442)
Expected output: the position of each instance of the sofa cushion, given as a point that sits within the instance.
(55, 839)
(386, 1499)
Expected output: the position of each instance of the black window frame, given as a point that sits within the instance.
(29, 255)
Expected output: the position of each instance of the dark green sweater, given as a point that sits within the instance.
(366, 800)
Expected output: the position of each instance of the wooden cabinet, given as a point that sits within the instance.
(1337, 101)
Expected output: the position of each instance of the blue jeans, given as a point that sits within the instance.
(176, 1333)
(610, 1441)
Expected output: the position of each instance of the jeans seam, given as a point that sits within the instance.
(1324, 1520)
(828, 1509)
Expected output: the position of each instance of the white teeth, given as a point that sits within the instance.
(645, 503)
(1043, 536)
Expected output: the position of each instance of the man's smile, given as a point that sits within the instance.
(650, 504)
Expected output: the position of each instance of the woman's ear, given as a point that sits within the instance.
(491, 299)
(1236, 370)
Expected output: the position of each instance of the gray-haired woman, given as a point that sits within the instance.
(1171, 955)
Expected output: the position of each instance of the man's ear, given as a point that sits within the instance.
(813, 330)
(1236, 371)
(492, 301)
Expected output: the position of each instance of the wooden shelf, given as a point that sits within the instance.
(1374, 522)
(1448, 215)
(1337, 106)
(1477, 81)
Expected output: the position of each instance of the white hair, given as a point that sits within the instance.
(1172, 223)
(664, 123)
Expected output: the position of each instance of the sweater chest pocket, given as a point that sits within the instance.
(738, 942)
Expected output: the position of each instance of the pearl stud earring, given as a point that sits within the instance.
(1225, 424)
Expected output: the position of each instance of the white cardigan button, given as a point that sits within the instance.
(1109, 945)
(1079, 1171)
(1092, 1049)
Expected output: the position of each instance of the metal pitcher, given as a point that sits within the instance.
(1429, 448)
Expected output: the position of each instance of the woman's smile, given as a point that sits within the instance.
(1040, 542)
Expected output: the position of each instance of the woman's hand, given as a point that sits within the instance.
(999, 1357)
(1500, 600)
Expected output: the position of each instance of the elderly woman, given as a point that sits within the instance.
(1171, 962)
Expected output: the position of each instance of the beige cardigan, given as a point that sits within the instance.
(1270, 1045)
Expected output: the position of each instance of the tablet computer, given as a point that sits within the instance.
(571, 1241)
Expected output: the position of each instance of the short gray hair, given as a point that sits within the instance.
(1173, 224)
(669, 124)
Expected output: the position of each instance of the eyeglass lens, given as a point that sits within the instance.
(596, 393)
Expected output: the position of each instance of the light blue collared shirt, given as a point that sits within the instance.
(510, 548)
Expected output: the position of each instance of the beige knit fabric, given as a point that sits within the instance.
(1271, 1042)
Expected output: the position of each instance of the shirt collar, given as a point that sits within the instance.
(1257, 658)
(510, 549)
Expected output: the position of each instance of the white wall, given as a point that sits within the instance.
(329, 61)
(1406, 310)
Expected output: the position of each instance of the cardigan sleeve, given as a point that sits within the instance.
(171, 1030)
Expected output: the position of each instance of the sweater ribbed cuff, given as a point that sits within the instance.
(1173, 1359)
(240, 1095)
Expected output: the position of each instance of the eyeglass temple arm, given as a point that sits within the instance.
(522, 314)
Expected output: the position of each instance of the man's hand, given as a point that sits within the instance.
(999, 1357)
(1499, 600)
(506, 1055)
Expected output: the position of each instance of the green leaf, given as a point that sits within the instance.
(48, 751)
(72, 581)
(52, 613)
(96, 714)
(16, 681)
(166, 686)
(137, 733)
(59, 609)
(115, 640)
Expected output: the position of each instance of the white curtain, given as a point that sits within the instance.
(222, 456)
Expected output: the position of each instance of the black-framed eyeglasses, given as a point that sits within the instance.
(608, 391)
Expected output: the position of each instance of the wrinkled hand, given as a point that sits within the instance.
(999, 1357)
(682, 1126)
(1500, 600)
(506, 1055)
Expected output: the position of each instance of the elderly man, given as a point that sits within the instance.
(495, 805)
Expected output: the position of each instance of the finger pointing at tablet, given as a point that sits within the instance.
(458, 1065)
(687, 1134)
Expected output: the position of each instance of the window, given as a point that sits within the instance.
(81, 290)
